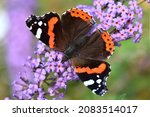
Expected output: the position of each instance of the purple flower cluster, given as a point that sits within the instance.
(120, 17)
(49, 77)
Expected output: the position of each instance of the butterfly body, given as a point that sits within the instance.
(74, 47)
(72, 35)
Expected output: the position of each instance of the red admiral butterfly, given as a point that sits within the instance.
(70, 34)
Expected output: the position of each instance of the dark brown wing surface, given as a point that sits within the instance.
(97, 47)
(76, 24)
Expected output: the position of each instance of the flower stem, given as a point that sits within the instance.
(140, 2)
(114, 31)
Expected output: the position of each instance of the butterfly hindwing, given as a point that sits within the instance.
(95, 77)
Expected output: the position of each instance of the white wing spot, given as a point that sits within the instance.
(99, 86)
(38, 33)
(54, 12)
(108, 57)
(99, 81)
(30, 28)
(103, 92)
(97, 76)
(40, 23)
(64, 13)
(89, 82)
(94, 91)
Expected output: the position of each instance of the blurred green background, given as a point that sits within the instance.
(130, 76)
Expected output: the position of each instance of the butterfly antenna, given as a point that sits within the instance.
(101, 30)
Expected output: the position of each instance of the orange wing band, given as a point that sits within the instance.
(109, 42)
(101, 68)
(51, 24)
(81, 14)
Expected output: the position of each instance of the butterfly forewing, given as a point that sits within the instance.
(47, 28)
(74, 27)
(95, 48)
